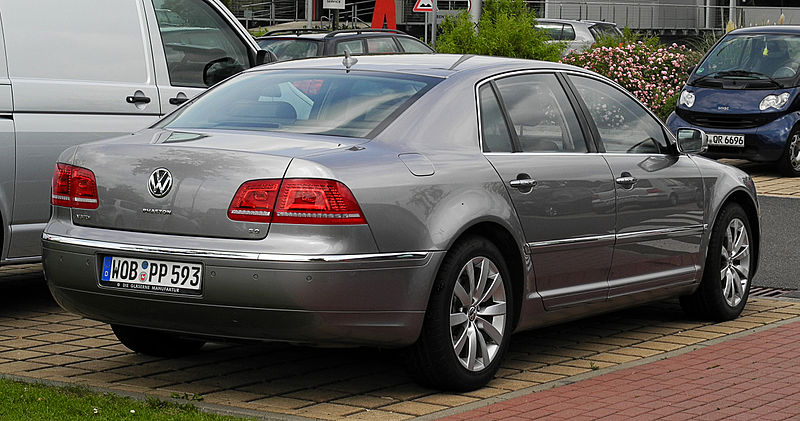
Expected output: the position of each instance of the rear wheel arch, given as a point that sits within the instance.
(501, 237)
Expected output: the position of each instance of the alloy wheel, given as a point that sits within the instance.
(478, 314)
(735, 264)
(794, 152)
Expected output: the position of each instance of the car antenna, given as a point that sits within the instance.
(348, 60)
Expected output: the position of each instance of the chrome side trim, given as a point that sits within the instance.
(576, 240)
(663, 232)
(220, 254)
(594, 240)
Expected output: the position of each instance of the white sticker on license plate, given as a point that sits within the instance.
(735, 140)
(151, 275)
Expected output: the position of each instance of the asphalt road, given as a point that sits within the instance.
(779, 266)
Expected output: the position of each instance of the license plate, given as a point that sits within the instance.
(735, 140)
(151, 275)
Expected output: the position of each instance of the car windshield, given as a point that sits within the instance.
(323, 102)
(290, 49)
(755, 60)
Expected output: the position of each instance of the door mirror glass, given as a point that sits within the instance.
(692, 141)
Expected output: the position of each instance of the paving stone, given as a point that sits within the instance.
(58, 359)
(22, 343)
(94, 353)
(57, 348)
(403, 392)
(680, 339)
(97, 343)
(591, 365)
(536, 377)
(319, 395)
(445, 399)
(281, 402)
(102, 377)
(638, 352)
(366, 401)
(50, 372)
(22, 354)
(510, 384)
(521, 365)
(378, 415)
(612, 358)
(57, 337)
(329, 410)
(563, 370)
(16, 367)
(414, 408)
(659, 346)
(230, 397)
(485, 392)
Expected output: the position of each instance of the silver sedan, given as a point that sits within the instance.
(438, 203)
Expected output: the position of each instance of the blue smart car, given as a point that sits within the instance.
(744, 95)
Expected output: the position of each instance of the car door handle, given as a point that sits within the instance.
(626, 180)
(178, 100)
(137, 99)
(526, 183)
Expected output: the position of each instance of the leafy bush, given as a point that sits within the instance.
(628, 37)
(655, 74)
(506, 28)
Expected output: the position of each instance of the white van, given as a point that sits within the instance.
(81, 70)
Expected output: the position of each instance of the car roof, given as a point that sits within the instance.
(436, 65)
(771, 29)
(561, 21)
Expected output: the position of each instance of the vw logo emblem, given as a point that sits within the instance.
(160, 182)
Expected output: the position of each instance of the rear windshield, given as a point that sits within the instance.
(290, 49)
(327, 102)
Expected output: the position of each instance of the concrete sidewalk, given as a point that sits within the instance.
(752, 377)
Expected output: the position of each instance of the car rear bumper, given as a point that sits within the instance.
(362, 299)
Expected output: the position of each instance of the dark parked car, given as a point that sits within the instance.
(303, 43)
(745, 94)
(396, 201)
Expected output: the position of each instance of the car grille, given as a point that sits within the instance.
(726, 121)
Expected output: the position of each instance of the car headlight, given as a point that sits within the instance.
(774, 101)
(687, 99)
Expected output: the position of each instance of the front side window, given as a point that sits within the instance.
(413, 46)
(624, 125)
(541, 115)
(319, 102)
(197, 40)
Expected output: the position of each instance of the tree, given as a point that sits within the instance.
(506, 28)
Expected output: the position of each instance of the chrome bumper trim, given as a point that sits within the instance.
(220, 254)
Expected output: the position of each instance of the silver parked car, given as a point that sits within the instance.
(438, 202)
(579, 35)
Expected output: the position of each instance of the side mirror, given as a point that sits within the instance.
(691, 141)
(265, 56)
(220, 69)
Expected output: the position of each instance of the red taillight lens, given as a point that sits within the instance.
(296, 201)
(315, 201)
(254, 201)
(73, 187)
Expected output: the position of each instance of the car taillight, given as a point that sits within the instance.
(296, 201)
(254, 201)
(73, 187)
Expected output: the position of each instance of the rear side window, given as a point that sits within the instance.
(541, 114)
(290, 49)
(569, 33)
(383, 45)
(194, 35)
(320, 102)
(413, 46)
(496, 137)
(353, 47)
(554, 30)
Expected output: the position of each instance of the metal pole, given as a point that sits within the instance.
(434, 26)
(309, 15)
(426, 28)
(732, 12)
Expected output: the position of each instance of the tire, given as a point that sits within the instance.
(725, 286)
(789, 162)
(466, 330)
(155, 342)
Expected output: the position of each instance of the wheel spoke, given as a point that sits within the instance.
(484, 349)
(739, 233)
(498, 309)
(462, 340)
(481, 280)
(470, 268)
(497, 281)
(741, 270)
(472, 345)
(738, 291)
(727, 290)
(723, 273)
(462, 295)
(490, 330)
(458, 319)
(742, 252)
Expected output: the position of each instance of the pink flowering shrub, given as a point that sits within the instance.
(653, 73)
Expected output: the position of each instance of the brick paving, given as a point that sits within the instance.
(754, 377)
(38, 340)
(767, 179)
